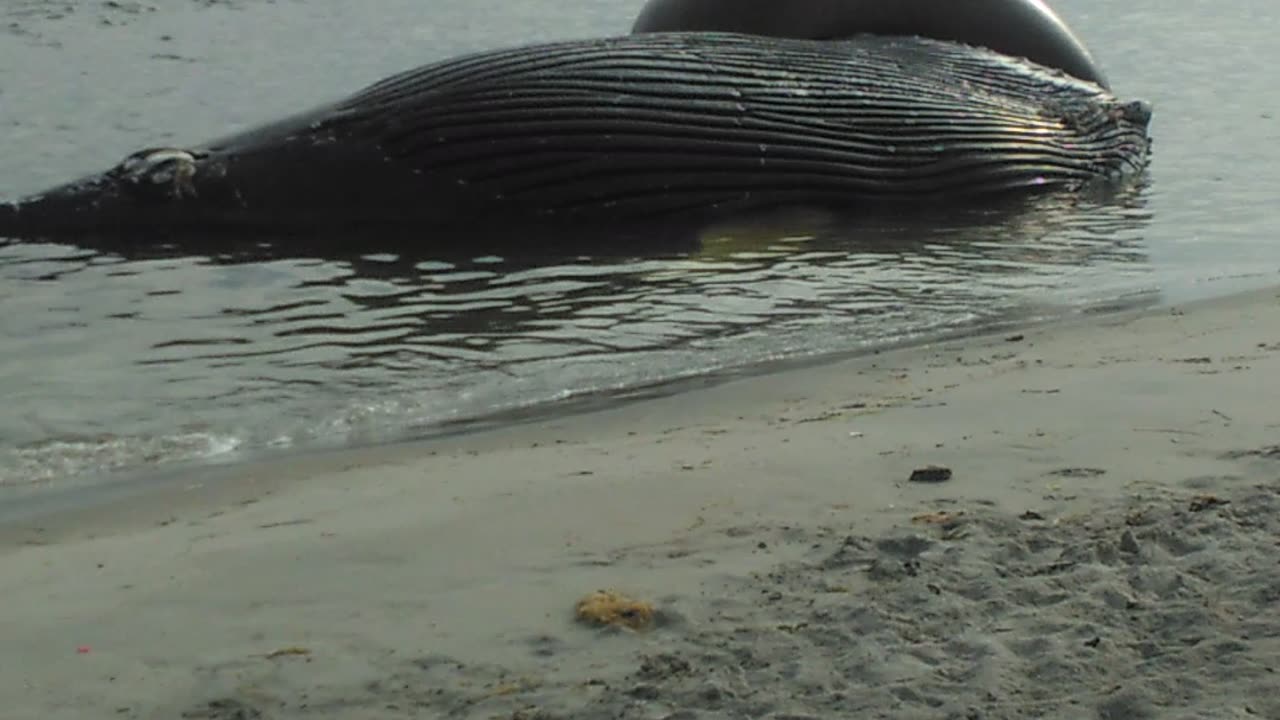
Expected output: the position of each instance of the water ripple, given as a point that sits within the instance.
(107, 351)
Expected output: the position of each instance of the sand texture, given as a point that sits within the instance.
(1105, 546)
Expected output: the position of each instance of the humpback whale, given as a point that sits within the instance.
(698, 111)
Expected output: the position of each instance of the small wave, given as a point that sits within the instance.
(50, 461)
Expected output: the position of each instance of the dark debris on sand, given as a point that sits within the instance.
(1164, 608)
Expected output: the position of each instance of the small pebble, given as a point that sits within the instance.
(931, 474)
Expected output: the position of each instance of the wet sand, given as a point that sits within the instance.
(1105, 547)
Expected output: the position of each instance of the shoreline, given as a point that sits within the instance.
(104, 487)
(453, 564)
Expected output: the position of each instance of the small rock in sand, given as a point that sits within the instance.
(931, 474)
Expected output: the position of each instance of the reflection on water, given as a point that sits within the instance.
(117, 357)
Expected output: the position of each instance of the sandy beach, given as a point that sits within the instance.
(1105, 546)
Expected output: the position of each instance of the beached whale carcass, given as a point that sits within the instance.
(665, 121)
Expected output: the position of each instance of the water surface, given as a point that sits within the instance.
(111, 361)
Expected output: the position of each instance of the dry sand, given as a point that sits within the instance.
(1106, 547)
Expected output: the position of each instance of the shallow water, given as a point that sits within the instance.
(113, 361)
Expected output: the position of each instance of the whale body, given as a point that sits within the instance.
(652, 124)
